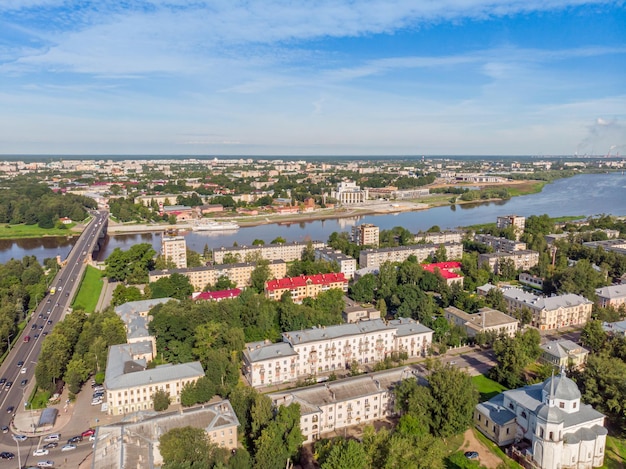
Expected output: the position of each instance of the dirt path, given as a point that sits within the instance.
(487, 458)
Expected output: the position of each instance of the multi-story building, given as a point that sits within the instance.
(174, 249)
(553, 427)
(500, 244)
(348, 193)
(305, 286)
(218, 295)
(613, 245)
(550, 312)
(136, 443)
(522, 260)
(129, 384)
(564, 353)
(613, 296)
(333, 406)
(486, 320)
(240, 273)
(518, 223)
(347, 264)
(376, 257)
(615, 328)
(355, 312)
(309, 352)
(438, 237)
(287, 252)
(366, 234)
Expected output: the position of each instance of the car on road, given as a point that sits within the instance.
(27, 338)
(5, 429)
(20, 364)
(8, 385)
(20, 437)
(67, 293)
(52, 444)
(44, 333)
(2, 381)
(471, 454)
(75, 439)
(7, 455)
(34, 326)
(68, 447)
(52, 437)
(40, 326)
(23, 382)
(45, 464)
(23, 370)
(36, 336)
(87, 433)
(49, 322)
(10, 409)
(41, 452)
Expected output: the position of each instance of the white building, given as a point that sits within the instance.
(347, 264)
(348, 193)
(174, 249)
(272, 252)
(376, 257)
(322, 350)
(613, 296)
(333, 406)
(556, 430)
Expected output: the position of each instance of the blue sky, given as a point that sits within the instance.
(317, 77)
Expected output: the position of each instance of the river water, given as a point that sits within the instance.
(586, 194)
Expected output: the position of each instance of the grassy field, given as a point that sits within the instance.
(39, 400)
(615, 453)
(32, 231)
(89, 290)
(487, 388)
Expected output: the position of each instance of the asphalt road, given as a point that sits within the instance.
(20, 362)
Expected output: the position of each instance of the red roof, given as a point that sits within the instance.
(302, 280)
(445, 269)
(218, 295)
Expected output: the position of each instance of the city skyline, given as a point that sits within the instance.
(278, 78)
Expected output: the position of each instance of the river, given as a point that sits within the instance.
(586, 194)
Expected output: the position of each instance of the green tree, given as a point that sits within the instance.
(259, 276)
(348, 454)
(188, 447)
(279, 240)
(76, 374)
(593, 336)
(161, 400)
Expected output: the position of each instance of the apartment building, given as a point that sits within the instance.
(240, 273)
(305, 286)
(314, 351)
(518, 223)
(523, 260)
(136, 443)
(500, 244)
(347, 264)
(333, 406)
(613, 245)
(613, 296)
(376, 257)
(366, 234)
(531, 280)
(551, 312)
(486, 320)
(174, 249)
(287, 252)
(438, 237)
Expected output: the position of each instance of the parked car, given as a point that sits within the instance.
(20, 437)
(45, 464)
(5, 429)
(52, 444)
(52, 437)
(75, 439)
(87, 433)
(471, 454)
(41, 452)
(68, 447)
(6, 455)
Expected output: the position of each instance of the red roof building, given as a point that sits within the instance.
(217, 295)
(305, 286)
(448, 270)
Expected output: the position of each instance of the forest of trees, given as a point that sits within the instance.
(32, 203)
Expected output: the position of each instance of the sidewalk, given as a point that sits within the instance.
(25, 421)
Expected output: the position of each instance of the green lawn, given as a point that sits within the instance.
(32, 231)
(615, 453)
(39, 400)
(487, 388)
(89, 290)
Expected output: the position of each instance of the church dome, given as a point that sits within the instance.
(564, 388)
(549, 414)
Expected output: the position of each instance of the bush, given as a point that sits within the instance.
(161, 400)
